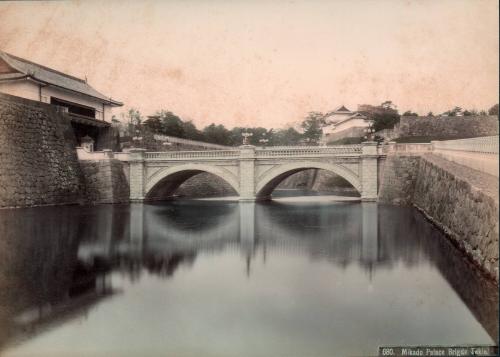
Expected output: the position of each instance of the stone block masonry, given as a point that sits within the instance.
(463, 202)
(397, 179)
(38, 163)
(104, 182)
(442, 127)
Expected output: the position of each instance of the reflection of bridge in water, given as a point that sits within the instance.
(161, 238)
(241, 227)
(371, 238)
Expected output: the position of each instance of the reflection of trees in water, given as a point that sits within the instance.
(103, 222)
(193, 215)
(162, 265)
(39, 265)
(41, 279)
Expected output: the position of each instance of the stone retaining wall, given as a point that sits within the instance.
(398, 174)
(463, 202)
(38, 163)
(442, 127)
(104, 182)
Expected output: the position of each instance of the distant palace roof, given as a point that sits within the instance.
(24, 69)
(342, 109)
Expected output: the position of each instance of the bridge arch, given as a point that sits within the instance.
(167, 180)
(272, 178)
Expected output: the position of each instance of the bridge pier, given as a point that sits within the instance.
(247, 173)
(137, 170)
(369, 171)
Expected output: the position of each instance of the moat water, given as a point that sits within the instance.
(296, 277)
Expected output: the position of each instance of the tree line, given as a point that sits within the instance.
(458, 111)
(308, 132)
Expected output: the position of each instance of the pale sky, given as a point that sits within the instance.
(266, 63)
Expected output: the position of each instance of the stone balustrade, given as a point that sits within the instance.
(175, 140)
(485, 144)
(183, 155)
(477, 153)
(85, 155)
(305, 151)
(393, 147)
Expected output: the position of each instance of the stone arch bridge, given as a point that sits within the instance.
(252, 172)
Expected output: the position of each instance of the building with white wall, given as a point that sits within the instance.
(343, 123)
(26, 79)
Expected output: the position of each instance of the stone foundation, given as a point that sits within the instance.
(38, 163)
(461, 201)
(442, 127)
(104, 182)
(398, 175)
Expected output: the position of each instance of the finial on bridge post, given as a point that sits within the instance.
(246, 135)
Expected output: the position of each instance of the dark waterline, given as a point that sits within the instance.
(214, 278)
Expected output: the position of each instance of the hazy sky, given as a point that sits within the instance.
(266, 62)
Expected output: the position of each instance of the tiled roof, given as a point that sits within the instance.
(342, 109)
(52, 77)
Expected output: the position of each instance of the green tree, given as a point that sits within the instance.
(134, 117)
(217, 134)
(191, 132)
(171, 124)
(285, 137)
(153, 124)
(409, 113)
(258, 133)
(453, 112)
(430, 114)
(493, 110)
(384, 116)
(313, 126)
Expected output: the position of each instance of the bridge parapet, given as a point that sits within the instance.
(183, 155)
(305, 151)
(485, 144)
(477, 153)
(277, 151)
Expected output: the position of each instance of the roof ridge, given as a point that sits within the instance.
(44, 67)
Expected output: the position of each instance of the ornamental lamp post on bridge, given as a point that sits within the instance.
(369, 131)
(136, 139)
(264, 140)
(246, 135)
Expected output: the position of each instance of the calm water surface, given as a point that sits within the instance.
(221, 278)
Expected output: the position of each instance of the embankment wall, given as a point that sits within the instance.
(104, 181)
(463, 202)
(442, 127)
(38, 163)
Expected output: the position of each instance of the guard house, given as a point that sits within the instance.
(88, 109)
(343, 123)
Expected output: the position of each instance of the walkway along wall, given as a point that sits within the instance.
(462, 201)
(38, 163)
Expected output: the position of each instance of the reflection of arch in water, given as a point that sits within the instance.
(163, 227)
(272, 178)
(163, 183)
(319, 228)
(237, 225)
